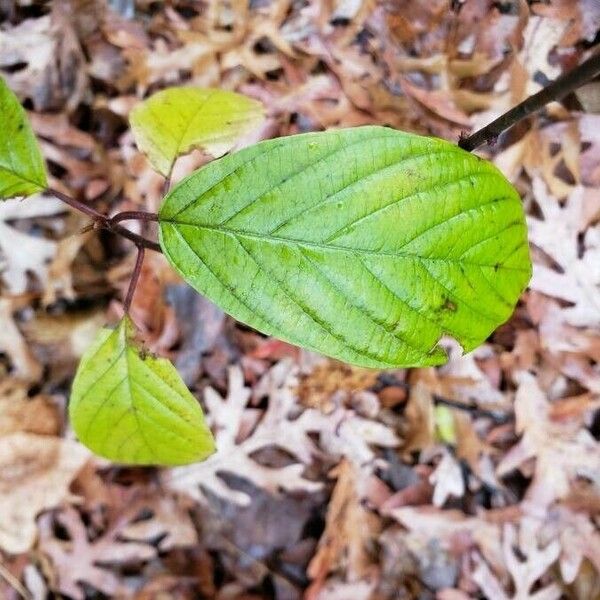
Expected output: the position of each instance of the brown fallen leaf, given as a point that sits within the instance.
(526, 569)
(35, 474)
(439, 102)
(241, 432)
(350, 530)
(447, 479)
(165, 519)
(562, 451)
(25, 366)
(59, 340)
(15, 265)
(18, 412)
(60, 269)
(420, 419)
(317, 389)
(583, 18)
(238, 436)
(558, 235)
(80, 560)
(453, 531)
(50, 64)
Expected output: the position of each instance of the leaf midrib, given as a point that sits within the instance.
(324, 247)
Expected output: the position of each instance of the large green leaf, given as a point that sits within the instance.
(133, 408)
(176, 120)
(22, 170)
(365, 244)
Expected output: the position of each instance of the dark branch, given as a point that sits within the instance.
(557, 90)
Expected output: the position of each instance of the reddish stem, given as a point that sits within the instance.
(134, 215)
(138, 240)
(111, 224)
(134, 279)
(80, 206)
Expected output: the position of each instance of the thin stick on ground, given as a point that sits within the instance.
(557, 90)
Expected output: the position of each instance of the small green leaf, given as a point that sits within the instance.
(176, 120)
(22, 170)
(364, 244)
(444, 425)
(133, 408)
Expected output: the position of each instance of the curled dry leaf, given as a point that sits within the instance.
(350, 530)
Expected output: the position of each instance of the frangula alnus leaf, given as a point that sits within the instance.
(176, 120)
(22, 170)
(133, 408)
(364, 244)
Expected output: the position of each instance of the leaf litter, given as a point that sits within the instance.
(476, 479)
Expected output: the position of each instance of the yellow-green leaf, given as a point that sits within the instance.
(133, 408)
(444, 424)
(364, 244)
(22, 170)
(176, 120)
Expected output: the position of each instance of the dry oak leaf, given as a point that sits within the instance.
(574, 351)
(558, 235)
(563, 451)
(241, 431)
(450, 529)
(579, 539)
(135, 525)
(165, 520)
(21, 254)
(350, 528)
(525, 571)
(53, 72)
(81, 560)
(35, 474)
(447, 479)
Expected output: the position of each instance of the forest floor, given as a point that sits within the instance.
(477, 479)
